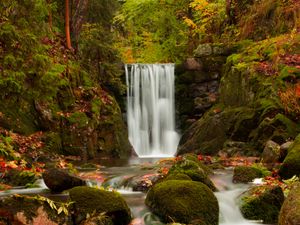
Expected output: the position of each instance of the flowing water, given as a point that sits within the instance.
(118, 174)
(227, 195)
(151, 109)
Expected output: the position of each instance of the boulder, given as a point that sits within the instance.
(36, 210)
(284, 150)
(245, 174)
(271, 153)
(88, 200)
(193, 168)
(290, 210)
(262, 203)
(291, 163)
(58, 180)
(183, 201)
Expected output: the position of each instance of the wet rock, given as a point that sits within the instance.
(192, 167)
(19, 210)
(271, 153)
(58, 180)
(89, 200)
(290, 210)
(245, 174)
(183, 201)
(143, 183)
(262, 203)
(291, 163)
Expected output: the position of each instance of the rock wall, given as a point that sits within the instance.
(253, 105)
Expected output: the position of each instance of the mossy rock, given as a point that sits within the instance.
(245, 174)
(291, 163)
(279, 129)
(194, 170)
(262, 203)
(177, 176)
(290, 210)
(88, 200)
(183, 201)
(208, 135)
(193, 157)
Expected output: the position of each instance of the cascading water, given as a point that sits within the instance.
(151, 109)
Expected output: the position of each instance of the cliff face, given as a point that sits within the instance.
(258, 99)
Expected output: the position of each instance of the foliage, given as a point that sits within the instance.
(152, 30)
(59, 207)
(99, 58)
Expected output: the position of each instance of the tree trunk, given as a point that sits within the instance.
(67, 24)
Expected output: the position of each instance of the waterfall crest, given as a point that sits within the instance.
(151, 109)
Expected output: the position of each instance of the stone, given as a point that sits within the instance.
(183, 201)
(290, 210)
(192, 64)
(192, 167)
(203, 50)
(88, 200)
(291, 163)
(271, 153)
(58, 180)
(284, 149)
(262, 203)
(245, 174)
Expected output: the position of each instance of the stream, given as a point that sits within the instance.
(118, 171)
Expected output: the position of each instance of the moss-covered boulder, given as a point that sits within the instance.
(290, 210)
(20, 209)
(291, 163)
(88, 200)
(184, 201)
(193, 168)
(262, 203)
(58, 180)
(177, 176)
(208, 135)
(245, 174)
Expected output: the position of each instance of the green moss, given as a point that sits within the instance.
(245, 174)
(193, 169)
(87, 200)
(177, 176)
(79, 119)
(183, 201)
(262, 203)
(290, 210)
(291, 164)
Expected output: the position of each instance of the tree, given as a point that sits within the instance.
(67, 24)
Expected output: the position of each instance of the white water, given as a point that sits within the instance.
(227, 196)
(151, 109)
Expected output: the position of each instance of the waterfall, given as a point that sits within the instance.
(151, 109)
